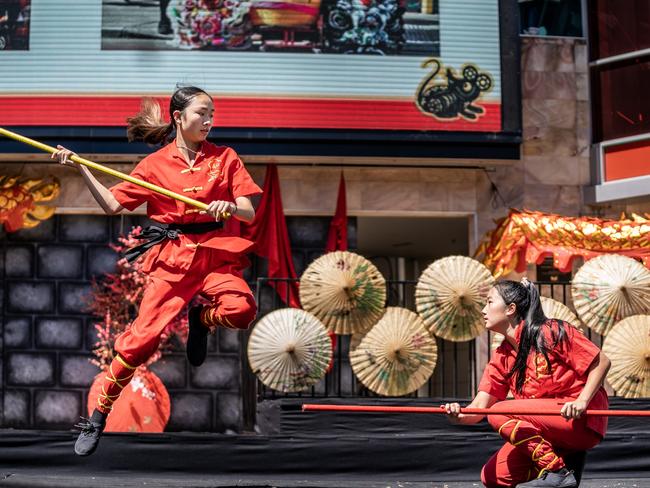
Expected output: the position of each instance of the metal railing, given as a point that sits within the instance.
(455, 373)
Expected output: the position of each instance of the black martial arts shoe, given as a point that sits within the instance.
(562, 478)
(197, 338)
(91, 431)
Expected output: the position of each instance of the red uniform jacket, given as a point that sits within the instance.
(569, 360)
(217, 174)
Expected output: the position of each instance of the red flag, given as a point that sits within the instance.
(337, 238)
(269, 232)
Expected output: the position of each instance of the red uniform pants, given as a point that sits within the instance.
(233, 306)
(533, 443)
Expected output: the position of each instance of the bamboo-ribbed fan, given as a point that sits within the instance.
(345, 291)
(289, 350)
(450, 295)
(628, 347)
(397, 356)
(608, 288)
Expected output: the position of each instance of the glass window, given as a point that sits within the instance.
(551, 17)
(620, 101)
(617, 27)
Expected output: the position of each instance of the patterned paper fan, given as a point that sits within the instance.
(609, 288)
(450, 296)
(553, 310)
(558, 310)
(355, 340)
(396, 356)
(628, 347)
(345, 291)
(289, 350)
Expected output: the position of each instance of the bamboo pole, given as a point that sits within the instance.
(107, 170)
(469, 411)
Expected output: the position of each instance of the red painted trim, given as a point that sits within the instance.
(627, 161)
(294, 113)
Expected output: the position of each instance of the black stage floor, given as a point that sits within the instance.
(308, 451)
(192, 481)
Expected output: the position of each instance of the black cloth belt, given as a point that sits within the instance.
(155, 234)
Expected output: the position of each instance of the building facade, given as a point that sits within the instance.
(415, 193)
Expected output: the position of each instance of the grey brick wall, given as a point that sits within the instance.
(47, 335)
(45, 340)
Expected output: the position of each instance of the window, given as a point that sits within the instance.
(618, 27)
(551, 18)
(620, 106)
(620, 100)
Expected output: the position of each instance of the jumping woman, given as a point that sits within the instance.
(189, 251)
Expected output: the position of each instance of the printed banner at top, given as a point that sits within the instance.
(404, 65)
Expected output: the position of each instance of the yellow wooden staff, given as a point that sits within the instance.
(107, 170)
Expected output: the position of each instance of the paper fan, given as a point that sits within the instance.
(355, 340)
(396, 356)
(609, 288)
(558, 310)
(289, 350)
(345, 291)
(628, 347)
(450, 296)
(553, 310)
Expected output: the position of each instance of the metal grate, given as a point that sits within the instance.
(455, 373)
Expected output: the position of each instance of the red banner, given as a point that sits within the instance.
(269, 232)
(297, 113)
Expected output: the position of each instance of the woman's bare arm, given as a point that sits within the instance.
(481, 400)
(102, 195)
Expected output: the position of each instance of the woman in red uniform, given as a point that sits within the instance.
(190, 251)
(546, 364)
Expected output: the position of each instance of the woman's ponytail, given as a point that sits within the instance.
(148, 125)
(535, 313)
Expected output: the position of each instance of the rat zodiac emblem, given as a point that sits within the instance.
(453, 98)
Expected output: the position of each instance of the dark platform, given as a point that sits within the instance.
(309, 450)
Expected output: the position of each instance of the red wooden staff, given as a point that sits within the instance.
(470, 411)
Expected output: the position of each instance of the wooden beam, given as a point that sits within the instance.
(288, 160)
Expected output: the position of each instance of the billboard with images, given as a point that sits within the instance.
(14, 24)
(399, 65)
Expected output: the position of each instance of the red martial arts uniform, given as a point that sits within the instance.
(209, 264)
(536, 443)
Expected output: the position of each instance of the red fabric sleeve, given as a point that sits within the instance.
(495, 380)
(129, 195)
(578, 352)
(241, 183)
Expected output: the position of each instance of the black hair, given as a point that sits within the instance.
(528, 308)
(148, 125)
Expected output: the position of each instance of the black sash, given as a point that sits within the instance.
(155, 234)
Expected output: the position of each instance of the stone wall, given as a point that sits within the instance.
(554, 162)
(47, 335)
